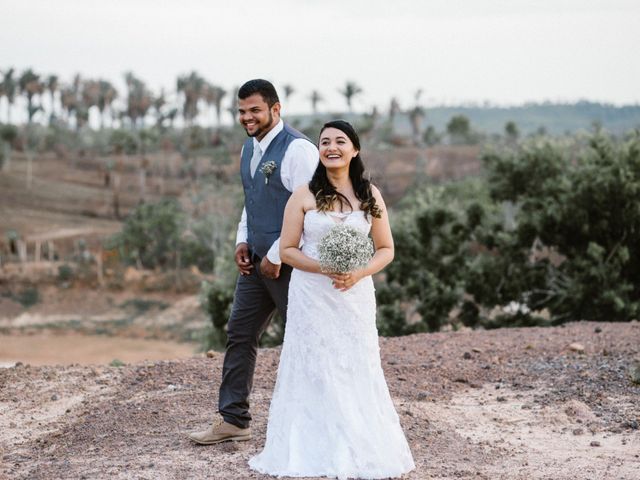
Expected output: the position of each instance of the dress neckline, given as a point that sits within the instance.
(332, 213)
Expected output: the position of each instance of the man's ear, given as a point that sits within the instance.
(276, 108)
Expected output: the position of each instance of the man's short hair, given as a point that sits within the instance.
(263, 87)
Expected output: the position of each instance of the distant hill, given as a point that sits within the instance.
(555, 118)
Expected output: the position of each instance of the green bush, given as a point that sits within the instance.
(150, 236)
(549, 236)
(28, 297)
(123, 141)
(585, 208)
(216, 299)
(155, 235)
(65, 273)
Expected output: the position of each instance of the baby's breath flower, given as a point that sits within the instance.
(267, 169)
(344, 249)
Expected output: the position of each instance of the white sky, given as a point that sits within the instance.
(503, 51)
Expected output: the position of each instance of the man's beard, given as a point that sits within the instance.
(260, 130)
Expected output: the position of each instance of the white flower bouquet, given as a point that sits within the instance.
(344, 249)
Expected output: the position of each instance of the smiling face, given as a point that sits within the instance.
(256, 117)
(336, 149)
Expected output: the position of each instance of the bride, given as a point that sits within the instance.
(331, 413)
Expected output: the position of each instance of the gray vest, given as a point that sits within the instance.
(265, 202)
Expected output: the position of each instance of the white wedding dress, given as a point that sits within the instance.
(331, 413)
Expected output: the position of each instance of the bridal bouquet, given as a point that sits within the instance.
(344, 249)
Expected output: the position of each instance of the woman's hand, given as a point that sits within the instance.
(344, 281)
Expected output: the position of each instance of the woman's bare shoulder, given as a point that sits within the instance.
(375, 191)
(303, 197)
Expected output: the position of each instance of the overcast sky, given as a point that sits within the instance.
(503, 51)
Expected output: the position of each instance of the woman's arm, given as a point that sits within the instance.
(292, 226)
(383, 244)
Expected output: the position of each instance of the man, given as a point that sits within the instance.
(274, 161)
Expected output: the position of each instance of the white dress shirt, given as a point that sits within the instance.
(298, 165)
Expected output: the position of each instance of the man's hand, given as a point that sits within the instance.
(243, 260)
(268, 269)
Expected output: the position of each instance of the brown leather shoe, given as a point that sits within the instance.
(220, 431)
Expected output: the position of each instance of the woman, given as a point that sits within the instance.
(331, 413)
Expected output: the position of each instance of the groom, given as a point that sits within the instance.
(275, 160)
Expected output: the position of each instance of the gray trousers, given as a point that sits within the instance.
(254, 304)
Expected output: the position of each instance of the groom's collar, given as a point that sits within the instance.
(266, 141)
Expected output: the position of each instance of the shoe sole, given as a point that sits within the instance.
(238, 438)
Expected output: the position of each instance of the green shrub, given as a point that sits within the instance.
(585, 208)
(123, 141)
(28, 297)
(554, 228)
(143, 305)
(65, 273)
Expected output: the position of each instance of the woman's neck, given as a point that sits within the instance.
(339, 179)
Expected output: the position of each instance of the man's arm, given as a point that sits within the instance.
(242, 234)
(243, 261)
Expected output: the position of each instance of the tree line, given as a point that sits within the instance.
(72, 101)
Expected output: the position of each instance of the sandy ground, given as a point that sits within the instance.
(507, 404)
(69, 348)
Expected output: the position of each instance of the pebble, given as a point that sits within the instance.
(598, 330)
(578, 431)
(595, 443)
(211, 353)
(466, 355)
(634, 372)
(576, 347)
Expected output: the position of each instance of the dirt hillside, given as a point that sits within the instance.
(502, 404)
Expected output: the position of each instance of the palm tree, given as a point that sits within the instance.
(394, 109)
(288, 91)
(416, 115)
(8, 87)
(315, 99)
(158, 104)
(52, 86)
(86, 95)
(107, 94)
(139, 99)
(233, 107)
(217, 103)
(351, 89)
(213, 95)
(192, 87)
(68, 102)
(30, 86)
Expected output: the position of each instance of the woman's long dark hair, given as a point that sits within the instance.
(325, 192)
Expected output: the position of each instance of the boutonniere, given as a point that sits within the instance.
(267, 169)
